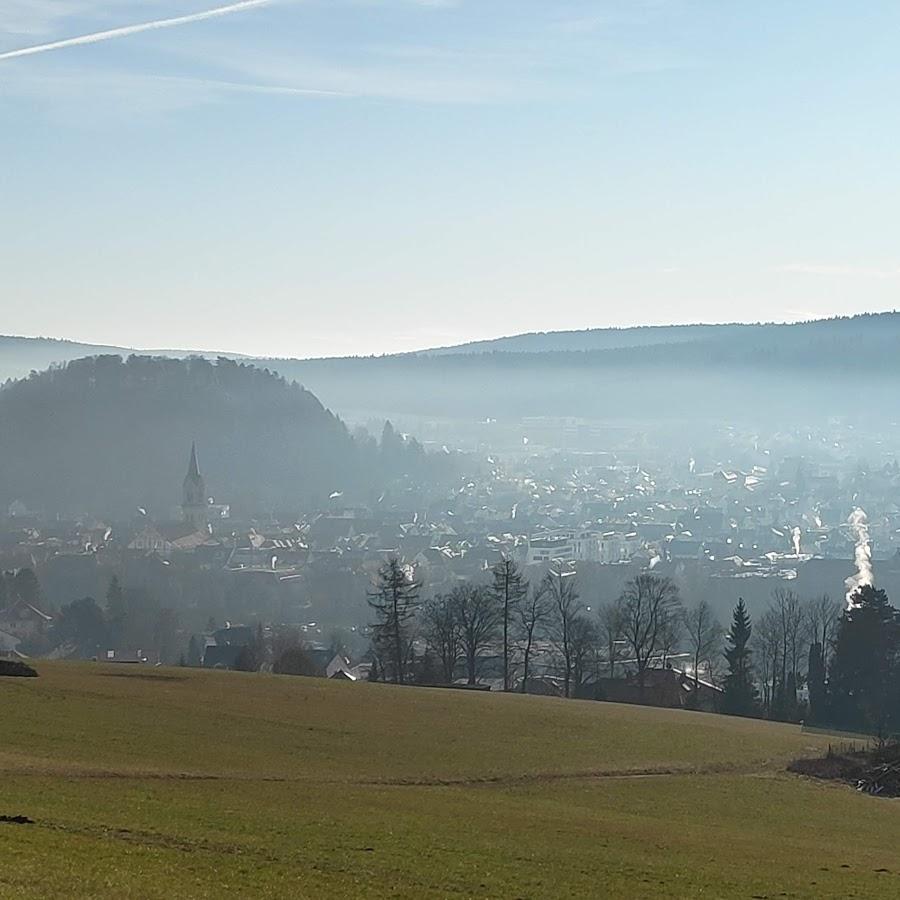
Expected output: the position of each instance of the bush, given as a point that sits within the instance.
(294, 661)
(16, 669)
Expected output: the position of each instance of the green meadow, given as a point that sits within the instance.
(183, 783)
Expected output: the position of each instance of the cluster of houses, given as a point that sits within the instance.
(738, 521)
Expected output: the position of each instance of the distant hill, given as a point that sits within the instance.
(21, 355)
(594, 339)
(879, 326)
(107, 436)
(842, 366)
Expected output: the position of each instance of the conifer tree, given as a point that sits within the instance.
(394, 600)
(740, 694)
(865, 664)
(815, 679)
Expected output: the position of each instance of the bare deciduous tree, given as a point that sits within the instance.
(584, 638)
(532, 617)
(822, 618)
(563, 593)
(478, 615)
(441, 630)
(649, 602)
(612, 631)
(670, 634)
(704, 633)
(767, 652)
(789, 613)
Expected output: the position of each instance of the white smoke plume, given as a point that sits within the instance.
(126, 30)
(859, 524)
(795, 539)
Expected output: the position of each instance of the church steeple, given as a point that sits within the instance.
(193, 467)
(193, 503)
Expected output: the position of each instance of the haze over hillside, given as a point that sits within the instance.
(105, 435)
(709, 371)
(21, 355)
(845, 366)
(594, 339)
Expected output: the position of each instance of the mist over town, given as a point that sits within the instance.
(449, 449)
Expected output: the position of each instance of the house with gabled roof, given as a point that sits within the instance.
(24, 621)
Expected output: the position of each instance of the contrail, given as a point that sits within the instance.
(126, 30)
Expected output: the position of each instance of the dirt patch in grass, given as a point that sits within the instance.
(144, 676)
(544, 777)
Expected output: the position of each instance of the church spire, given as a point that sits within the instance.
(193, 504)
(193, 468)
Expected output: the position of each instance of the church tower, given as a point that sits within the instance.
(193, 498)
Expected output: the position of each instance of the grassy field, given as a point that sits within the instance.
(181, 783)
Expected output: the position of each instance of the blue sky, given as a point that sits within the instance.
(365, 176)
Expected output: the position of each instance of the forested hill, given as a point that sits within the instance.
(108, 436)
(741, 338)
(844, 366)
(593, 339)
(19, 356)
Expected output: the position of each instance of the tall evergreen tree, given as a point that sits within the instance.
(81, 625)
(740, 694)
(865, 664)
(394, 599)
(509, 588)
(816, 682)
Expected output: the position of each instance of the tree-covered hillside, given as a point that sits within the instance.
(108, 435)
(844, 366)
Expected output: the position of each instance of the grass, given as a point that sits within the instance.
(161, 783)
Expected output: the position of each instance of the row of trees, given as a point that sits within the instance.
(849, 660)
(790, 647)
(508, 618)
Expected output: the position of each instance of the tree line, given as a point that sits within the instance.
(848, 660)
(504, 622)
(802, 660)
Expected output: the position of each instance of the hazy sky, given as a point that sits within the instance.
(363, 176)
